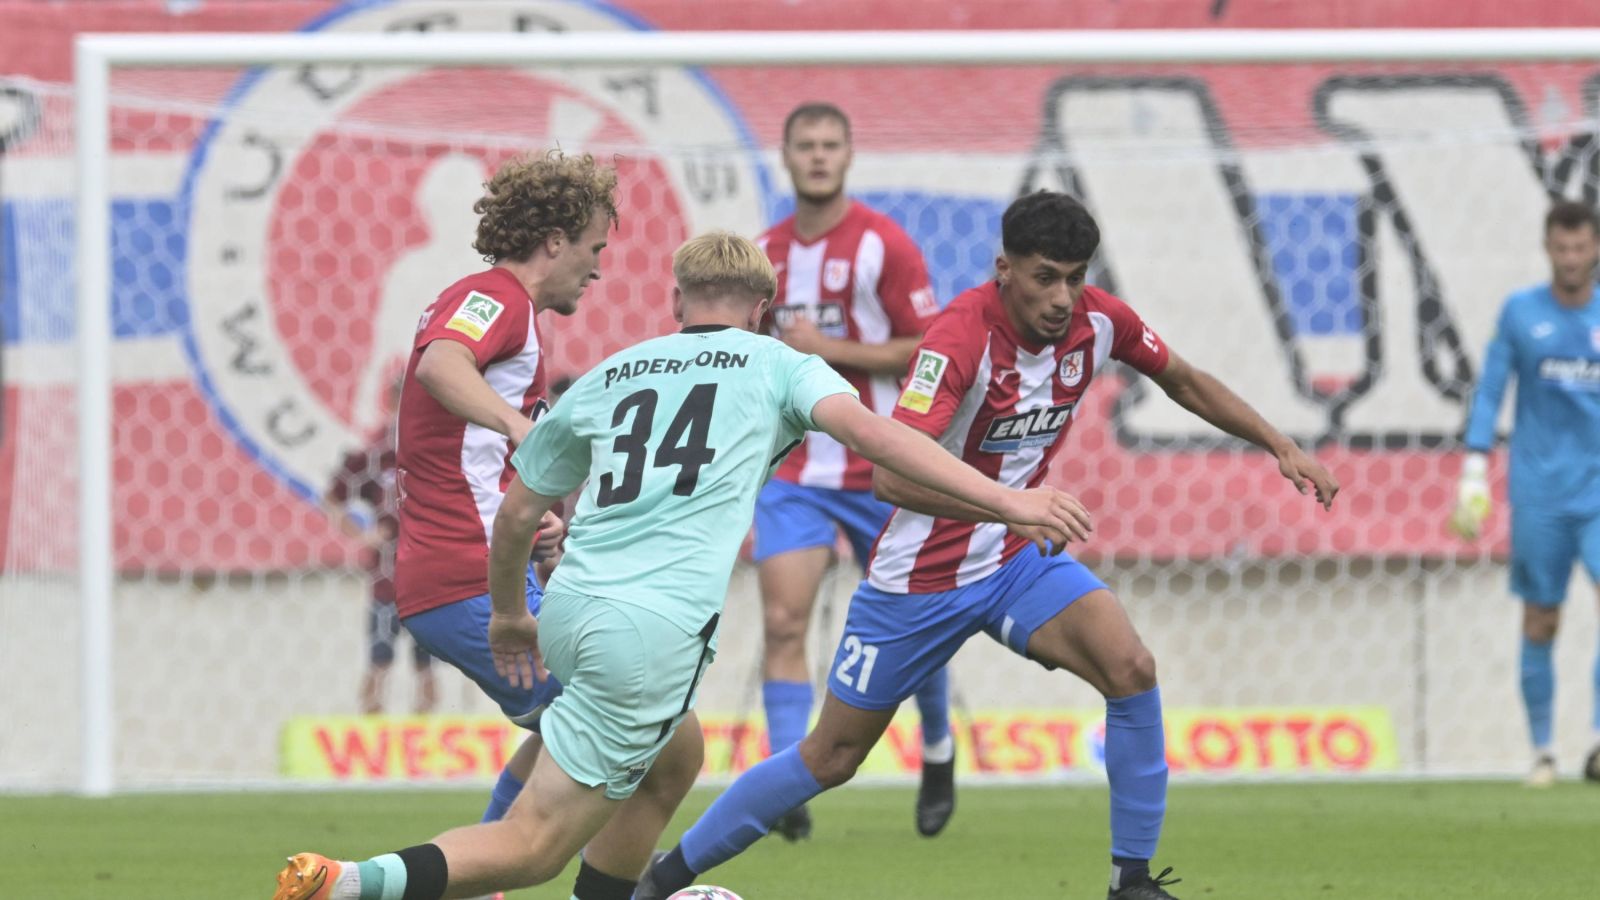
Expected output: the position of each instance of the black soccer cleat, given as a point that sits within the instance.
(648, 887)
(1591, 765)
(1147, 888)
(795, 824)
(936, 797)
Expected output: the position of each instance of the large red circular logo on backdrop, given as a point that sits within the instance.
(330, 205)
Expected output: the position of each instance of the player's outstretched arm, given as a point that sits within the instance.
(917, 458)
(449, 372)
(513, 631)
(1202, 394)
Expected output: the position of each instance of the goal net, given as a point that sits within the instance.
(1331, 239)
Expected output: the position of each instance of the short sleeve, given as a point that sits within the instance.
(942, 371)
(1135, 343)
(492, 327)
(903, 287)
(554, 459)
(810, 379)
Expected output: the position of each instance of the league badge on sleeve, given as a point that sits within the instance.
(924, 384)
(475, 315)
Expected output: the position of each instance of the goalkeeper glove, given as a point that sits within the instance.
(1472, 497)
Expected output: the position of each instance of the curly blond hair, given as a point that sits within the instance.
(536, 196)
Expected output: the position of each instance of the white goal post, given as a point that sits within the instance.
(99, 54)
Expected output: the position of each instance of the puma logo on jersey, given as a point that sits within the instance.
(1034, 428)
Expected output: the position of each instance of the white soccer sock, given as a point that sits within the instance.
(348, 885)
(942, 752)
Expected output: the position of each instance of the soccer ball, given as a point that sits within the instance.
(705, 892)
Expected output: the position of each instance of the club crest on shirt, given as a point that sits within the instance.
(1071, 370)
(836, 274)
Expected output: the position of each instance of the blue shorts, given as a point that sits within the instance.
(892, 643)
(1544, 545)
(791, 517)
(458, 633)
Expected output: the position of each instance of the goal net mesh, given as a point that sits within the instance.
(1332, 241)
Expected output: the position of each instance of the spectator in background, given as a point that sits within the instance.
(360, 500)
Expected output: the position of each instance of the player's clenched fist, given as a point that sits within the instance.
(1472, 498)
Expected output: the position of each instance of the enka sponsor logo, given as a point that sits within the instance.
(1035, 428)
(1578, 373)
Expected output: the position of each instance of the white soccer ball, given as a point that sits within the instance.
(705, 892)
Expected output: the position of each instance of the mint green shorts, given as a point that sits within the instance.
(630, 676)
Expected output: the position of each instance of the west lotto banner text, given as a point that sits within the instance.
(1268, 740)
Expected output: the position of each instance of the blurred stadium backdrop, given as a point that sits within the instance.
(1333, 240)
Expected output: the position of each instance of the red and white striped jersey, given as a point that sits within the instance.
(863, 280)
(1002, 404)
(452, 474)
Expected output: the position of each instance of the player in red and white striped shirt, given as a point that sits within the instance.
(852, 289)
(997, 381)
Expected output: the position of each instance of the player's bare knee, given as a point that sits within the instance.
(784, 625)
(1132, 673)
(832, 763)
(1540, 624)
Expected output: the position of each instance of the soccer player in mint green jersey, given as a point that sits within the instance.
(675, 437)
(1548, 336)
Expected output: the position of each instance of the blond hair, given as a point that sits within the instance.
(719, 263)
(536, 196)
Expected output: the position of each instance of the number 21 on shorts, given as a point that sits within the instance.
(855, 652)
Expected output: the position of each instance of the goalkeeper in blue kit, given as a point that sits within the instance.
(1548, 337)
(674, 437)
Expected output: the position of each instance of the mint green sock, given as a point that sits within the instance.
(382, 877)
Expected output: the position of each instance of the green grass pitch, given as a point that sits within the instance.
(1368, 841)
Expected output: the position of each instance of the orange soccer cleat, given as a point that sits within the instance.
(308, 876)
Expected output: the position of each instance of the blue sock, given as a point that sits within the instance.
(933, 701)
(506, 789)
(747, 809)
(1538, 690)
(788, 706)
(1597, 696)
(1136, 763)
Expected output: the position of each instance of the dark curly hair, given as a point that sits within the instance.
(1053, 225)
(534, 196)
